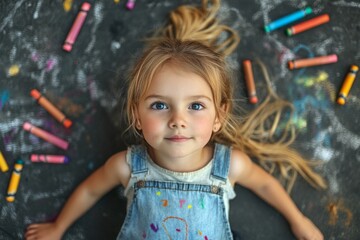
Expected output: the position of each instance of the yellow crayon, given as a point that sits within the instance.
(3, 165)
(14, 180)
(347, 84)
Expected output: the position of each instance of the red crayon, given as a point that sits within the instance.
(75, 29)
(311, 23)
(308, 62)
(250, 84)
(49, 158)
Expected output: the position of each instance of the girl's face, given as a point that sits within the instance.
(177, 114)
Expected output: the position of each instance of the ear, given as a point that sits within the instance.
(137, 124)
(137, 121)
(219, 118)
(217, 126)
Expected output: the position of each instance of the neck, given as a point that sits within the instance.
(188, 163)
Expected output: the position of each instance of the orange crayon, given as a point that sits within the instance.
(308, 62)
(347, 84)
(306, 25)
(250, 83)
(51, 108)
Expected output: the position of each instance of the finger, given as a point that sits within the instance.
(33, 226)
(30, 237)
(30, 234)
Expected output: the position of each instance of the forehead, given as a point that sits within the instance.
(175, 79)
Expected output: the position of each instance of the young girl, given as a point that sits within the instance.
(193, 150)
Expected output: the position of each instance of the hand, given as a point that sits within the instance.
(305, 229)
(43, 231)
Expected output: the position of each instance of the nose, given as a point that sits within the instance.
(177, 120)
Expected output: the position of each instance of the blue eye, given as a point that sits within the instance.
(196, 106)
(158, 106)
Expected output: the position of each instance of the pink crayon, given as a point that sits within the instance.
(130, 4)
(75, 29)
(49, 158)
(45, 135)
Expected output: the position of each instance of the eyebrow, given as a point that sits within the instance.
(195, 97)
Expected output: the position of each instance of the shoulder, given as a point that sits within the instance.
(246, 173)
(117, 164)
(240, 166)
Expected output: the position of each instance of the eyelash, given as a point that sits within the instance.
(156, 105)
(197, 104)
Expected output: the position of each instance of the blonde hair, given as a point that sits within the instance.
(195, 41)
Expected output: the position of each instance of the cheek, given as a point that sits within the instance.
(204, 126)
(151, 125)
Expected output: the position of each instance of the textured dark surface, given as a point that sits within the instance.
(88, 84)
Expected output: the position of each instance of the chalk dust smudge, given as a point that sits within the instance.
(51, 63)
(13, 70)
(98, 16)
(311, 81)
(9, 17)
(324, 47)
(4, 98)
(37, 10)
(48, 195)
(342, 134)
(12, 54)
(324, 153)
(343, 3)
(9, 212)
(337, 209)
(67, 5)
(69, 107)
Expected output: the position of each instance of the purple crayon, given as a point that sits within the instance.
(59, 159)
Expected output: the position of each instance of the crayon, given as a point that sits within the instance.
(347, 84)
(287, 19)
(3, 165)
(76, 27)
(49, 158)
(250, 84)
(45, 135)
(14, 180)
(308, 62)
(45, 103)
(306, 25)
(130, 4)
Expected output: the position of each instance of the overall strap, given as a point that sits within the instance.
(221, 164)
(138, 160)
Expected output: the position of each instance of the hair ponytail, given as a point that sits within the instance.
(190, 23)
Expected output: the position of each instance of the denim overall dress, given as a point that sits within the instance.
(164, 210)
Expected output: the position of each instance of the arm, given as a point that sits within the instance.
(244, 172)
(114, 172)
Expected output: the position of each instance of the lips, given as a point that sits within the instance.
(177, 138)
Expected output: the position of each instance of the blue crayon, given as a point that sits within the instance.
(287, 19)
